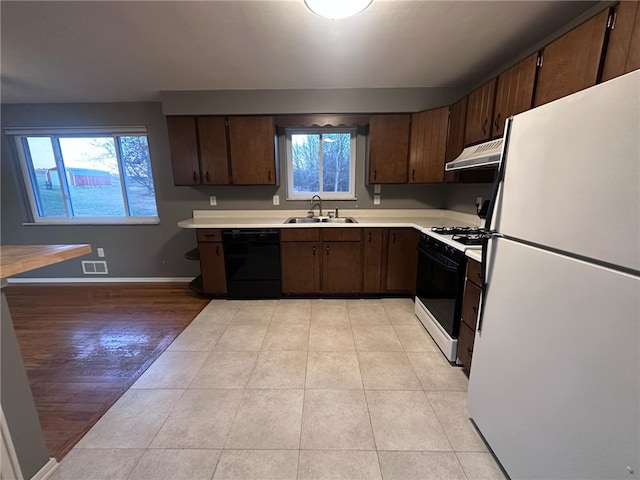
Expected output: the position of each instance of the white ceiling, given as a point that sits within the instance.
(88, 51)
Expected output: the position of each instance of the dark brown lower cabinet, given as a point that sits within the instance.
(372, 255)
(300, 263)
(469, 319)
(466, 337)
(316, 261)
(341, 267)
(212, 268)
(402, 260)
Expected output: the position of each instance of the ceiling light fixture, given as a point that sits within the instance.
(335, 9)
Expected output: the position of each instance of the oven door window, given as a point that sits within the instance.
(438, 287)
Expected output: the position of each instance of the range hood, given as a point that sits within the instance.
(483, 155)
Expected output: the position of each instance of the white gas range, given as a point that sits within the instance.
(440, 282)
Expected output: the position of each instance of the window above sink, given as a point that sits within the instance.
(321, 161)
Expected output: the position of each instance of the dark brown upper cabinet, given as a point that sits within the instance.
(570, 63)
(214, 160)
(183, 144)
(201, 155)
(623, 48)
(480, 113)
(455, 136)
(252, 150)
(428, 146)
(514, 92)
(388, 148)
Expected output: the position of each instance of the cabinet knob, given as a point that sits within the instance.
(206, 175)
(413, 174)
(497, 121)
(314, 250)
(327, 251)
(195, 177)
(484, 126)
(475, 310)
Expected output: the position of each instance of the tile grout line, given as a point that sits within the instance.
(304, 392)
(235, 415)
(366, 400)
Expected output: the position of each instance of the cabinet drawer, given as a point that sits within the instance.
(209, 235)
(474, 272)
(300, 235)
(342, 234)
(470, 304)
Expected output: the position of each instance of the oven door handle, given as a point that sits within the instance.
(446, 267)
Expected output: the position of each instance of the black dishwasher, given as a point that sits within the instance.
(252, 260)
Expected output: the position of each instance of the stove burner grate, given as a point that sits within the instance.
(457, 230)
(474, 239)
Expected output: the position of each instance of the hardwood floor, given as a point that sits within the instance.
(85, 345)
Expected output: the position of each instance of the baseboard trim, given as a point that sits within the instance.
(102, 280)
(46, 471)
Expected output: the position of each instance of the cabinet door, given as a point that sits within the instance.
(428, 146)
(214, 162)
(455, 135)
(212, 267)
(372, 260)
(480, 113)
(341, 267)
(252, 150)
(471, 304)
(300, 267)
(402, 259)
(388, 148)
(183, 144)
(623, 48)
(466, 338)
(570, 63)
(514, 92)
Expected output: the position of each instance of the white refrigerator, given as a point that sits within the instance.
(554, 386)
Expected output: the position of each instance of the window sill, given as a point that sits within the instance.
(98, 221)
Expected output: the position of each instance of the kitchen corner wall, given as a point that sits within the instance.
(158, 250)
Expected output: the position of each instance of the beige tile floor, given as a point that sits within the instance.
(291, 389)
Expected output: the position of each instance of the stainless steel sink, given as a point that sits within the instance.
(340, 220)
(320, 219)
(302, 220)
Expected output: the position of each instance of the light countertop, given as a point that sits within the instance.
(416, 218)
(15, 259)
(475, 254)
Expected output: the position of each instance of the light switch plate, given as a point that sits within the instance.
(376, 199)
(100, 252)
(213, 201)
(276, 199)
(376, 188)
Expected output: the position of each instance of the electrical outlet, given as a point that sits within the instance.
(276, 199)
(376, 188)
(100, 252)
(213, 201)
(478, 201)
(376, 199)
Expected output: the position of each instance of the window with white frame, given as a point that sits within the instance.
(321, 161)
(87, 175)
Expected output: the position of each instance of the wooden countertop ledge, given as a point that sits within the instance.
(15, 259)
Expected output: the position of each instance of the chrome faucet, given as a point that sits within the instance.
(313, 205)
